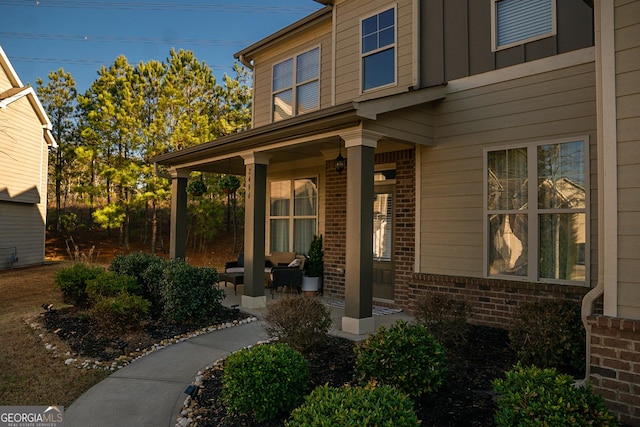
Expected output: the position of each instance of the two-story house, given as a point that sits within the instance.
(491, 155)
(25, 137)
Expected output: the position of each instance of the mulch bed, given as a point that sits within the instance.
(466, 399)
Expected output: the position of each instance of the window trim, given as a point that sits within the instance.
(533, 275)
(494, 28)
(394, 47)
(295, 85)
(291, 217)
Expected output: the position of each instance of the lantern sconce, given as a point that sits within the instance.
(340, 161)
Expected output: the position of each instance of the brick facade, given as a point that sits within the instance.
(615, 365)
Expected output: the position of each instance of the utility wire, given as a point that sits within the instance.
(122, 39)
(187, 7)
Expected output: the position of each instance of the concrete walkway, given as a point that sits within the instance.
(150, 391)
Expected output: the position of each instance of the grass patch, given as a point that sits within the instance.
(29, 375)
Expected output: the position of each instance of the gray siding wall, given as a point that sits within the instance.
(456, 38)
(627, 35)
(542, 107)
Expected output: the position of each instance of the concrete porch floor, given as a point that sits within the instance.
(336, 312)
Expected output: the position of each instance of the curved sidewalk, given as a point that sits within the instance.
(150, 391)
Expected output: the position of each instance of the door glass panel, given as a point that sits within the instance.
(382, 226)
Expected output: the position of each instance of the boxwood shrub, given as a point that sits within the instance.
(377, 406)
(265, 380)
(531, 396)
(108, 284)
(120, 313)
(146, 268)
(549, 334)
(189, 293)
(405, 356)
(72, 281)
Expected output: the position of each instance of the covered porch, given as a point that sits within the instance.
(306, 144)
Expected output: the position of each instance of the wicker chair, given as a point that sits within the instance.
(287, 277)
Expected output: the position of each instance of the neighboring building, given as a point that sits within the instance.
(25, 137)
(496, 140)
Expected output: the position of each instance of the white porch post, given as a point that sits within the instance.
(254, 230)
(358, 318)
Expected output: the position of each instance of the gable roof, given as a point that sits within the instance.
(18, 91)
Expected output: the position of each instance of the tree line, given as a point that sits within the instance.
(130, 114)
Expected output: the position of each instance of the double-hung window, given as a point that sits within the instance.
(517, 22)
(293, 214)
(296, 85)
(536, 212)
(378, 50)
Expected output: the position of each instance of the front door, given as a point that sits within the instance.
(383, 270)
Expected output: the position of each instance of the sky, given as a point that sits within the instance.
(41, 36)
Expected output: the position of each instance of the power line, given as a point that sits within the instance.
(123, 39)
(175, 7)
(92, 62)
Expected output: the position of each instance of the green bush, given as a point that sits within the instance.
(301, 322)
(405, 356)
(549, 334)
(445, 318)
(530, 396)
(380, 406)
(72, 281)
(265, 380)
(190, 293)
(120, 313)
(108, 284)
(146, 268)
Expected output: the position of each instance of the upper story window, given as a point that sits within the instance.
(378, 50)
(536, 212)
(296, 85)
(520, 21)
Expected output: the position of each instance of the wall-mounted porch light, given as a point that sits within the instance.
(339, 162)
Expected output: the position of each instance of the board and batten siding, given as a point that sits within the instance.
(317, 35)
(23, 179)
(541, 107)
(627, 36)
(348, 70)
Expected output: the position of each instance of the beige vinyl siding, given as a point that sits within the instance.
(349, 14)
(410, 124)
(542, 107)
(627, 36)
(318, 35)
(23, 177)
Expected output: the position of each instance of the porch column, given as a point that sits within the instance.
(358, 318)
(254, 230)
(178, 230)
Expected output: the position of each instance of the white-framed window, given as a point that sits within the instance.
(536, 211)
(516, 22)
(293, 214)
(296, 85)
(378, 49)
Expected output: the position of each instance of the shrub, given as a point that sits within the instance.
(189, 293)
(380, 406)
(265, 380)
(108, 284)
(445, 318)
(120, 313)
(146, 268)
(72, 282)
(301, 322)
(405, 356)
(549, 334)
(530, 396)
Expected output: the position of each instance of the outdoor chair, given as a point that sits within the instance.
(289, 276)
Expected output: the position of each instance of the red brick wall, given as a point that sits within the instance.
(494, 301)
(615, 365)
(335, 223)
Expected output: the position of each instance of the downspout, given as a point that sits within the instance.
(587, 309)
